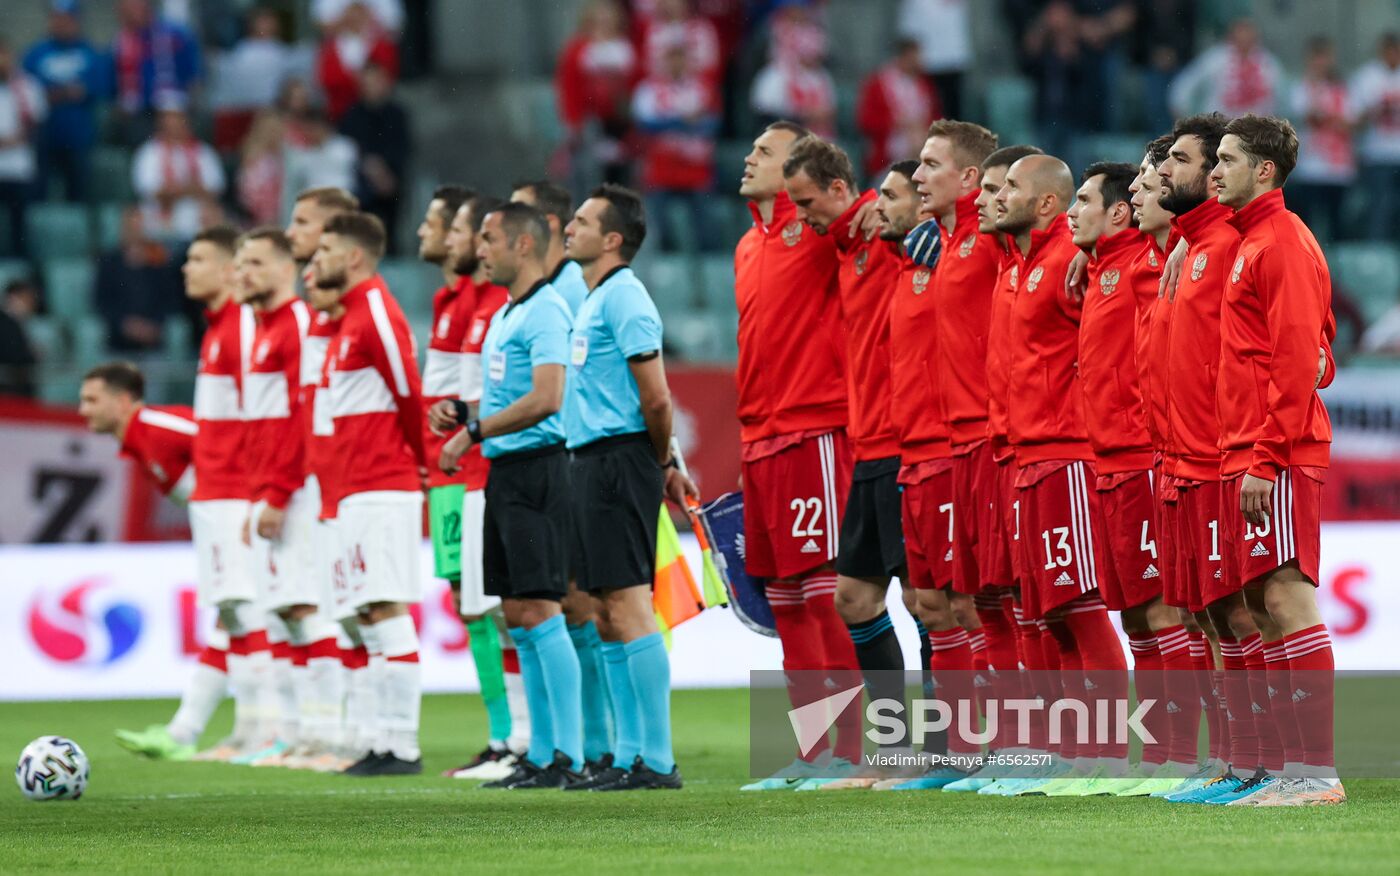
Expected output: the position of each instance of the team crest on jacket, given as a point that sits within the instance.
(1108, 281)
(213, 352)
(1239, 268)
(263, 349)
(344, 348)
(1015, 275)
(478, 330)
(1034, 279)
(920, 280)
(965, 249)
(861, 258)
(1198, 267)
(1152, 258)
(444, 323)
(792, 233)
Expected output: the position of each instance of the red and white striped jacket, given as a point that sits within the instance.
(319, 457)
(220, 469)
(376, 394)
(272, 408)
(160, 439)
(453, 368)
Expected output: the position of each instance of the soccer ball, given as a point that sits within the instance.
(52, 768)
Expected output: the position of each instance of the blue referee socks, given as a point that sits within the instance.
(560, 669)
(650, 668)
(597, 733)
(626, 719)
(541, 751)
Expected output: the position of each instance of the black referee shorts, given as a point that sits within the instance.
(525, 538)
(872, 527)
(617, 487)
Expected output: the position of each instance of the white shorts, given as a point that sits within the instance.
(382, 534)
(286, 569)
(224, 563)
(474, 600)
(331, 571)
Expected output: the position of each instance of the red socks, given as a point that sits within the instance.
(1244, 739)
(1265, 722)
(1148, 679)
(1281, 704)
(1183, 698)
(1311, 675)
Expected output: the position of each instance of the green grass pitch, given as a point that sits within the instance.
(145, 817)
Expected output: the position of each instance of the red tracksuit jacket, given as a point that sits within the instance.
(272, 404)
(220, 466)
(160, 439)
(916, 401)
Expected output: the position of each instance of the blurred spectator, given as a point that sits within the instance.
(796, 34)
(1375, 103)
(593, 81)
(794, 85)
(1236, 76)
(174, 174)
(388, 14)
(378, 126)
(943, 32)
(674, 22)
(22, 110)
(154, 59)
(1326, 158)
(138, 286)
(260, 171)
(325, 159)
(895, 107)
(353, 42)
(1166, 38)
(249, 78)
(1103, 29)
(74, 77)
(1383, 337)
(1054, 58)
(295, 103)
(677, 112)
(17, 355)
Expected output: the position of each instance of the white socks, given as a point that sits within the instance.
(400, 682)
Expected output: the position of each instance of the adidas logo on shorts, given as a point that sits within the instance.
(1256, 709)
(948, 557)
(1150, 572)
(811, 547)
(1299, 695)
(1173, 708)
(1259, 550)
(1217, 574)
(1064, 580)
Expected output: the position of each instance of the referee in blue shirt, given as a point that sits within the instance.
(525, 546)
(618, 420)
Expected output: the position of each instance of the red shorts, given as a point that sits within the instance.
(974, 485)
(926, 502)
(792, 503)
(1174, 571)
(1060, 537)
(1292, 533)
(1132, 572)
(1008, 560)
(1198, 530)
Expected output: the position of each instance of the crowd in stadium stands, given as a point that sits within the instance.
(648, 92)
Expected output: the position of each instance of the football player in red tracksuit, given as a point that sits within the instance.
(949, 179)
(1275, 437)
(821, 182)
(1130, 578)
(159, 439)
(219, 503)
(376, 409)
(792, 414)
(282, 523)
(1061, 537)
(1191, 466)
(926, 464)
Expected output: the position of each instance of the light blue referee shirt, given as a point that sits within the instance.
(569, 283)
(523, 335)
(617, 321)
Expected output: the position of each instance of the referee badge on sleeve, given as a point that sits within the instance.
(496, 366)
(579, 351)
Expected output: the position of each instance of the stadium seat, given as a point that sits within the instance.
(57, 230)
(1370, 274)
(413, 283)
(111, 175)
(1010, 108)
(671, 280)
(68, 286)
(1089, 148)
(109, 225)
(12, 269)
(695, 336)
(46, 338)
(177, 337)
(89, 341)
(717, 283)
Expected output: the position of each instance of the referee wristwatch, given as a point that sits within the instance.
(474, 430)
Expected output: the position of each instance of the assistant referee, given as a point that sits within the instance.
(617, 417)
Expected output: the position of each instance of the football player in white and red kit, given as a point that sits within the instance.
(349, 694)
(159, 439)
(219, 503)
(286, 502)
(376, 409)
